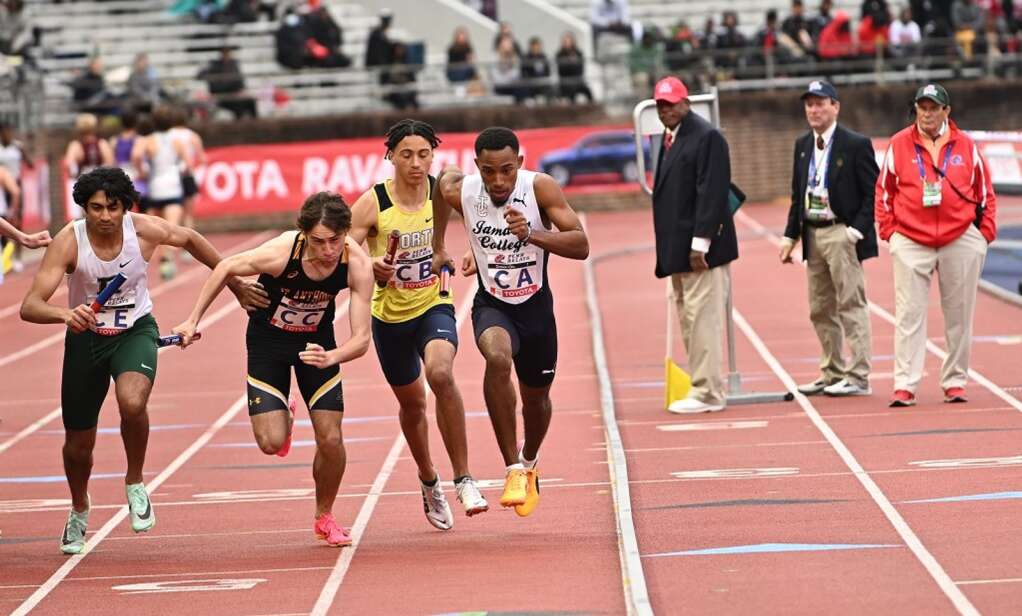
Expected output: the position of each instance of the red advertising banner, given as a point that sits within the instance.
(254, 179)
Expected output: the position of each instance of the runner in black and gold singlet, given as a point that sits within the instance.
(412, 323)
(302, 271)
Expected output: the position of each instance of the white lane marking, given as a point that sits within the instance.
(333, 583)
(60, 574)
(701, 427)
(633, 578)
(943, 580)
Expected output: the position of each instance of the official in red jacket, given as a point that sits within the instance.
(935, 204)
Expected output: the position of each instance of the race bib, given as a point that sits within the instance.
(931, 194)
(412, 269)
(294, 316)
(117, 314)
(513, 274)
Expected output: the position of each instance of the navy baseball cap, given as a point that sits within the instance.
(821, 88)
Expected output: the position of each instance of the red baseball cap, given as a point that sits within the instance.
(670, 89)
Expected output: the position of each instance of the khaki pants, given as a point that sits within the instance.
(958, 265)
(699, 299)
(837, 305)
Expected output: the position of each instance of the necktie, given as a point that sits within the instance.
(668, 141)
(820, 143)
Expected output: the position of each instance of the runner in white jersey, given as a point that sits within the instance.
(195, 155)
(118, 341)
(508, 214)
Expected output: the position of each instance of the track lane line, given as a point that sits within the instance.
(943, 580)
(340, 569)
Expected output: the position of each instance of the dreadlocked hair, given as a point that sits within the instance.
(407, 128)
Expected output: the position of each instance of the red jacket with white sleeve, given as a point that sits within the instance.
(899, 190)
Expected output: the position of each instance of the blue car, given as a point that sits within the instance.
(602, 152)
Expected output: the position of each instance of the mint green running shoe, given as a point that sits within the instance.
(142, 516)
(72, 541)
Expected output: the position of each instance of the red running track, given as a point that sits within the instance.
(234, 532)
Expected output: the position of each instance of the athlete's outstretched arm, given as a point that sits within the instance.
(157, 231)
(269, 258)
(31, 240)
(569, 240)
(446, 197)
(60, 257)
(364, 218)
(360, 288)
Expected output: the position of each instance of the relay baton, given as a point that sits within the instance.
(175, 339)
(445, 281)
(108, 291)
(392, 242)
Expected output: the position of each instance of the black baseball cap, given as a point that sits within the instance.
(935, 92)
(821, 88)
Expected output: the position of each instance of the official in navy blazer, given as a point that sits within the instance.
(695, 237)
(832, 187)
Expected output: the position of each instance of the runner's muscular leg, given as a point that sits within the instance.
(450, 408)
(270, 430)
(536, 413)
(132, 390)
(499, 391)
(328, 465)
(412, 401)
(77, 453)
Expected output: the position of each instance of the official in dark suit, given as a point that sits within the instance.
(695, 237)
(832, 187)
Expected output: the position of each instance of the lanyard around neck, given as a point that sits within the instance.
(824, 161)
(943, 166)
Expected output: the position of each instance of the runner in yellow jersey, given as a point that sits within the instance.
(412, 324)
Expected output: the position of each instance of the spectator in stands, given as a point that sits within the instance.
(143, 87)
(460, 59)
(326, 38)
(15, 34)
(503, 32)
(612, 16)
(645, 61)
(730, 38)
(227, 85)
(681, 52)
(89, 92)
(905, 35)
(486, 7)
(290, 40)
(774, 44)
(571, 70)
(836, 39)
(238, 11)
(708, 36)
(873, 28)
(798, 28)
(399, 80)
(967, 20)
(379, 48)
(822, 19)
(536, 71)
(505, 72)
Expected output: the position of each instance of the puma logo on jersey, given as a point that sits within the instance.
(517, 200)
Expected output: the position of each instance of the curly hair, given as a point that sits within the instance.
(112, 181)
(326, 208)
(496, 138)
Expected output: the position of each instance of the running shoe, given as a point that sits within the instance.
(954, 395)
(434, 503)
(285, 449)
(72, 541)
(514, 488)
(329, 530)
(531, 493)
(470, 498)
(902, 397)
(141, 510)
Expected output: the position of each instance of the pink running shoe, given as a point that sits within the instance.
(330, 531)
(285, 449)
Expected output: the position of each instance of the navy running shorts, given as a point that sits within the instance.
(402, 346)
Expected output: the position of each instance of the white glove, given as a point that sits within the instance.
(853, 234)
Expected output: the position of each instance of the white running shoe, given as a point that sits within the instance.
(434, 503)
(142, 516)
(72, 541)
(844, 387)
(470, 497)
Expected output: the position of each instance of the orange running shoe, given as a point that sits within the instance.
(514, 488)
(531, 493)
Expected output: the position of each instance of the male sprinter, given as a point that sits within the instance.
(508, 213)
(119, 341)
(303, 271)
(411, 322)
